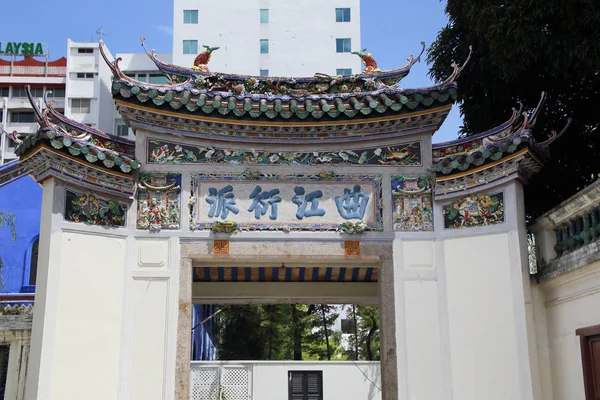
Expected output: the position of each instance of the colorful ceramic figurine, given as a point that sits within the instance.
(202, 59)
(368, 60)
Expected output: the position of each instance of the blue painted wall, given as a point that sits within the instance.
(23, 198)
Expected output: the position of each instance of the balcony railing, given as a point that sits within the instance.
(578, 232)
(20, 70)
(568, 236)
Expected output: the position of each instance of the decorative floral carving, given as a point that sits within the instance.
(413, 205)
(158, 201)
(224, 227)
(160, 151)
(353, 228)
(92, 210)
(474, 210)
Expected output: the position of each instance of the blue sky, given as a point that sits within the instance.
(391, 30)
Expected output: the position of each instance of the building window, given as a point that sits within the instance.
(142, 78)
(122, 130)
(21, 92)
(190, 47)
(85, 75)
(305, 385)
(343, 45)
(22, 117)
(158, 79)
(343, 71)
(190, 16)
(57, 92)
(264, 72)
(342, 15)
(4, 352)
(80, 106)
(589, 339)
(3, 91)
(264, 16)
(264, 46)
(85, 50)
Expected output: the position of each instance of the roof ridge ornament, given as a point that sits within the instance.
(36, 111)
(458, 68)
(536, 111)
(555, 136)
(14, 135)
(201, 61)
(118, 74)
(411, 58)
(368, 60)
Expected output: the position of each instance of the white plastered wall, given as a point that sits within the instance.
(463, 313)
(106, 309)
(78, 309)
(563, 305)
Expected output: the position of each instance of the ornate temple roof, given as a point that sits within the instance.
(368, 97)
(506, 149)
(320, 84)
(71, 150)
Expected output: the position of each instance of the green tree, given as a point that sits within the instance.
(364, 332)
(276, 325)
(240, 334)
(323, 343)
(7, 219)
(521, 48)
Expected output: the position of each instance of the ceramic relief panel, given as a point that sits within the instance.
(474, 210)
(413, 203)
(93, 210)
(159, 201)
(165, 152)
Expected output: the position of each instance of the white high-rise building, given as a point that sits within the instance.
(268, 37)
(89, 97)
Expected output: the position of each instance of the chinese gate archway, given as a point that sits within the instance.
(328, 186)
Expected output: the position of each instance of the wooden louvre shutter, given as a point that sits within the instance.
(305, 385)
(296, 386)
(314, 385)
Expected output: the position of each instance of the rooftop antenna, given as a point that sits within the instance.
(100, 33)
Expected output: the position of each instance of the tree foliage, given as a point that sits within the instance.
(364, 332)
(290, 332)
(520, 49)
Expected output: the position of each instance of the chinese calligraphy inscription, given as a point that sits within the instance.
(287, 202)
